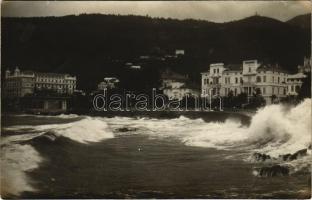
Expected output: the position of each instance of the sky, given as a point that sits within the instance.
(216, 11)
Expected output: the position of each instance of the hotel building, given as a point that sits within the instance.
(20, 83)
(249, 77)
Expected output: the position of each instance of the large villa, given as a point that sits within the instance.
(250, 77)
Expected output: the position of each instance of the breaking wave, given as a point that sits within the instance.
(84, 131)
(274, 130)
(19, 157)
(16, 160)
(282, 130)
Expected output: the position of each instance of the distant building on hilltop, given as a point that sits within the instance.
(179, 52)
(108, 83)
(135, 67)
(250, 77)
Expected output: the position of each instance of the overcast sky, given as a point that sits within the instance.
(217, 11)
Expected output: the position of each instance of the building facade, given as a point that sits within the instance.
(22, 83)
(19, 84)
(108, 83)
(60, 83)
(177, 86)
(250, 77)
(294, 83)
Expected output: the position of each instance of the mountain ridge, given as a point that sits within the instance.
(92, 46)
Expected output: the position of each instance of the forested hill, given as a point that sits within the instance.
(302, 21)
(93, 46)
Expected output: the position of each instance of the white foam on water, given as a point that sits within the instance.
(285, 130)
(274, 130)
(85, 130)
(16, 161)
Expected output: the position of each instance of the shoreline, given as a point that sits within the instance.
(208, 116)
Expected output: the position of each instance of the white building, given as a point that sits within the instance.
(179, 52)
(249, 77)
(138, 67)
(20, 83)
(177, 86)
(108, 83)
(294, 83)
(60, 83)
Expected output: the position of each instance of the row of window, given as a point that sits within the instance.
(259, 79)
(54, 86)
(49, 80)
(250, 90)
(273, 79)
(216, 71)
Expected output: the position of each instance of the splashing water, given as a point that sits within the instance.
(274, 130)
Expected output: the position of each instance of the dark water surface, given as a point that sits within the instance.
(139, 166)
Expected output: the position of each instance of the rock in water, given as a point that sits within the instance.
(126, 129)
(259, 157)
(285, 156)
(275, 170)
(298, 154)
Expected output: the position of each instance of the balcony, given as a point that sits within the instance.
(215, 85)
(249, 84)
(215, 75)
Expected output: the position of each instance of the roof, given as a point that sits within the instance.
(298, 75)
(234, 67)
(51, 74)
(270, 67)
(173, 76)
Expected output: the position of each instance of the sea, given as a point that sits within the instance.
(207, 156)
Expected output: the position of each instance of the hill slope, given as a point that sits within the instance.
(302, 21)
(94, 46)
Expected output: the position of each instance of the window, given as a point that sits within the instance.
(249, 79)
(236, 80)
(218, 70)
(264, 78)
(249, 70)
(278, 79)
(258, 79)
(273, 79)
(263, 90)
(214, 71)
